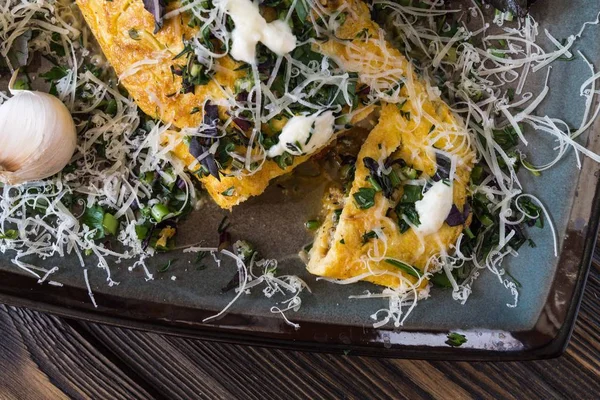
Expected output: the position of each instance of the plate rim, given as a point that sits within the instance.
(550, 347)
(576, 252)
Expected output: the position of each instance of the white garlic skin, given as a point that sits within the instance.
(37, 137)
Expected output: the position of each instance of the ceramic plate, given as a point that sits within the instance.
(329, 321)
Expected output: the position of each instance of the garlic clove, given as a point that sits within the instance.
(37, 137)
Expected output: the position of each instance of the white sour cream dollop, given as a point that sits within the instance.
(434, 207)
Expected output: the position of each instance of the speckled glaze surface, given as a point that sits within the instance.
(538, 327)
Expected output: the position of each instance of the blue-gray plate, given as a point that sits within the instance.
(538, 327)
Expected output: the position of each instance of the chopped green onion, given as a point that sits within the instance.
(312, 225)
(412, 194)
(486, 220)
(404, 267)
(229, 192)
(374, 183)
(528, 166)
(440, 280)
(110, 224)
(159, 212)
(9, 234)
(148, 177)
(469, 233)
(456, 339)
(368, 236)
(409, 173)
(141, 231)
(166, 267)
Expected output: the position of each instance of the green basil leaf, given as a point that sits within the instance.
(365, 198)
(93, 217)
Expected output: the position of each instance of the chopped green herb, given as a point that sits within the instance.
(368, 236)
(159, 212)
(93, 218)
(365, 198)
(529, 167)
(229, 192)
(54, 74)
(141, 231)
(404, 267)
(517, 283)
(244, 249)
(409, 173)
(510, 94)
(412, 194)
(486, 220)
(469, 233)
(312, 224)
(110, 224)
(21, 84)
(336, 214)
(456, 339)
(301, 10)
(166, 267)
(440, 280)
(407, 210)
(374, 183)
(284, 160)
(200, 256)
(477, 174)
(10, 234)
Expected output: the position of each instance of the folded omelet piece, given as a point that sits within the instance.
(366, 239)
(145, 60)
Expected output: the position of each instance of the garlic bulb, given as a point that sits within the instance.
(37, 137)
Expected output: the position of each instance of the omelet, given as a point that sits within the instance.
(145, 61)
(364, 235)
(357, 239)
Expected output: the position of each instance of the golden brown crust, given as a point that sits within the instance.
(153, 87)
(341, 252)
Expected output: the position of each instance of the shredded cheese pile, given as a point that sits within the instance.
(479, 69)
(41, 212)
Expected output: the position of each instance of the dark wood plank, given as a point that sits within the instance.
(21, 377)
(181, 366)
(43, 357)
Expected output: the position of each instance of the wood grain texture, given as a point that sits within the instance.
(45, 357)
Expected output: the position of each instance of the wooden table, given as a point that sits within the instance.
(45, 357)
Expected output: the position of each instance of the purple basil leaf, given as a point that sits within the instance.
(157, 9)
(456, 217)
(196, 149)
(199, 146)
(243, 124)
(443, 167)
(210, 164)
(211, 114)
